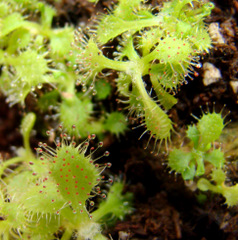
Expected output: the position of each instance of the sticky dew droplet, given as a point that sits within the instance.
(93, 136)
(94, 92)
(199, 65)
(106, 154)
(109, 165)
(39, 86)
(84, 89)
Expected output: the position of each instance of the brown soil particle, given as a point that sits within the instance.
(9, 125)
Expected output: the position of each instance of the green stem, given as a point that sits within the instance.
(116, 65)
(26, 127)
(5, 236)
(9, 162)
(27, 146)
(137, 80)
(12, 161)
(100, 213)
(99, 236)
(151, 56)
(131, 52)
(67, 234)
(70, 86)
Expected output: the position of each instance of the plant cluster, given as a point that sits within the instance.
(51, 194)
(156, 48)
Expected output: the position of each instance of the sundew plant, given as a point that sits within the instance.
(157, 49)
(49, 193)
(200, 161)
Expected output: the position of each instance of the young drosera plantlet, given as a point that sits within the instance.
(116, 123)
(200, 158)
(73, 171)
(202, 135)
